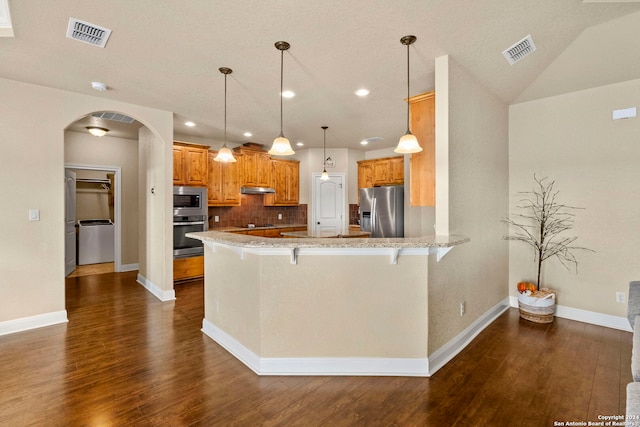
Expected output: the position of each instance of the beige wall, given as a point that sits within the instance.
(594, 160)
(32, 177)
(106, 151)
(474, 122)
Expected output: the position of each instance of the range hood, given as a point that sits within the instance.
(256, 190)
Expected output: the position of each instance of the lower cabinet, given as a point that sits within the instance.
(188, 268)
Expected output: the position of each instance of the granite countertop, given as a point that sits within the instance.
(247, 241)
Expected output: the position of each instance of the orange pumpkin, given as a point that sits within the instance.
(526, 286)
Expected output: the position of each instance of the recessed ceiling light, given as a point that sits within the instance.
(300, 144)
(364, 142)
(190, 124)
(247, 134)
(288, 94)
(362, 92)
(99, 86)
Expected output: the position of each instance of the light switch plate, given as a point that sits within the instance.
(34, 214)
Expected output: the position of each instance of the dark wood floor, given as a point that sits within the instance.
(125, 358)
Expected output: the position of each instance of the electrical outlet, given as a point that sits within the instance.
(279, 216)
(462, 307)
(620, 297)
(216, 218)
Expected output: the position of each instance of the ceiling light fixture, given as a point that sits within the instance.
(408, 142)
(362, 92)
(190, 124)
(288, 94)
(247, 134)
(325, 175)
(97, 131)
(300, 143)
(281, 145)
(364, 142)
(99, 86)
(225, 155)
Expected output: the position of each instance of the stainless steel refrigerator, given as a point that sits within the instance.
(382, 211)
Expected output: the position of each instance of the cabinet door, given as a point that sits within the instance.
(250, 169)
(231, 182)
(285, 180)
(397, 170)
(178, 166)
(215, 181)
(365, 175)
(196, 166)
(381, 172)
(422, 165)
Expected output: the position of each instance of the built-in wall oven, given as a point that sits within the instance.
(190, 215)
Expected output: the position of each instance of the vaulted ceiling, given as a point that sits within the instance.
(165, 54)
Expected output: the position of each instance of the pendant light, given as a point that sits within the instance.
(408, 142)
(325, 175)
(225, 155)
(281, 145)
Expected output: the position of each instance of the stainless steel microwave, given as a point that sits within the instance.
(189, 201)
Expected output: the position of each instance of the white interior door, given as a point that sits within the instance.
(69, 221)
(329, 202)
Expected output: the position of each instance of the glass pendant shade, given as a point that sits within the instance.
(324, 176)
(225, 155)
(281, 147)
(408, 144)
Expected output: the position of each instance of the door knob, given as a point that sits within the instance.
(318, 222)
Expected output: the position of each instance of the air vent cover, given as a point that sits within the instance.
(87, 33)
(519, 50)
(117, 117)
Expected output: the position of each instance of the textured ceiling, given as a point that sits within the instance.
(165, 54)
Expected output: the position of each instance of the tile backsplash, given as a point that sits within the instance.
(252, 210)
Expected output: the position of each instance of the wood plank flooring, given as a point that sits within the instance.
(125, 358)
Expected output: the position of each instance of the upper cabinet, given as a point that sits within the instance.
(224, 182)
(256, 166)
(286, 181)
(384, 171)
(190, 164)
(423, 164)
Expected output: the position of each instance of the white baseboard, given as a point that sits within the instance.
(161, 294)
(362, 366)
(592, 317)
(33, 322)
(448, 351)
(129, 267)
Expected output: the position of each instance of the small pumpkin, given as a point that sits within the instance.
(526, 286)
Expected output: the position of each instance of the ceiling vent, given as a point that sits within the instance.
(117, 117)
(87, 33)
(519, 50)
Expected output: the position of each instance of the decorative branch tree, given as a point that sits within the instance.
(542, 225)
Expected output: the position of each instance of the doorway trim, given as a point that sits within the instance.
(117, 243)
(314, 190)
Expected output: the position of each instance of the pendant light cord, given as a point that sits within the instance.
(408, 92)
(281, 86)
(225, 109)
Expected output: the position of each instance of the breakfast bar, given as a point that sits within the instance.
(321, 306)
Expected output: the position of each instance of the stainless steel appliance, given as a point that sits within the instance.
(382, 211)
(190, 215)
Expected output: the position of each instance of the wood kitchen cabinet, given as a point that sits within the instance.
(256, 165)
(422, 165)
(190, 164)
(224, 181)
(286, 181)
(384, 171)
(188, 268)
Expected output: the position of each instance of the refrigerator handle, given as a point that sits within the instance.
(373, 215)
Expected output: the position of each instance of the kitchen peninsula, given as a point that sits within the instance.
(321, 306)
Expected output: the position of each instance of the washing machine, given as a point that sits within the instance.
(95, 241)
